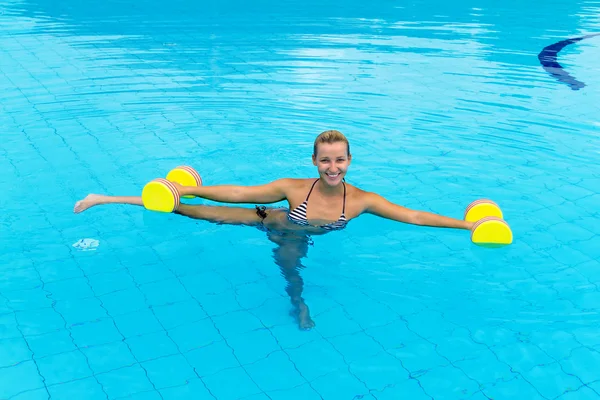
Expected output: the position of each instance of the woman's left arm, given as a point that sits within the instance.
(378, 205)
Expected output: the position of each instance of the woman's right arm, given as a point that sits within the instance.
(261, 194)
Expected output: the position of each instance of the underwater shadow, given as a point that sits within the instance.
(548, 60)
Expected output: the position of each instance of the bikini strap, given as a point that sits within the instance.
(344, 206)
(311, 189)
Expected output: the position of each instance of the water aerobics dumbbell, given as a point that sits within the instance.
(490, 229)
(162, 196)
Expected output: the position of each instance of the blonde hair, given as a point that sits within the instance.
(331, 136)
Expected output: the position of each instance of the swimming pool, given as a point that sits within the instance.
(443, 103)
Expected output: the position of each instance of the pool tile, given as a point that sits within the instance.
(379, 370)
(211, 359)
(137, 323)
(236, 322)
(522, 357)
(586, 299)
(124, 381)
(419, 356)
(193, 390)
(515, 388)
(69, 289)
(561, 382)
(585, 335)
(151, 345)
(109, 282)
(339, 384)
(9, 327)
(50, 343)
(583, 393)
(406, 389)
(146, 395)
(98, 262)
(27, 300)
(486, 369)
(220, 385)
(494, 335)
(87, 388)
(145, 273)
(38, 394)
(164, 292)
(263, 344)
(59, 270)
(575, 253)
(169, 371)
(335, 322)
(459, 346)
(40, 321)
(255, 294)
(429, 324)
(241, 277)
(285, 378)
(195, 335)
(95, 333)
(274, 311)
(356, 346)
(218, 304)
(290, 336)
(13, 351)
(448, 382)
(301, 392)
(178, 314)
(260, 396)
(107, 357)
(74, 366)
(305, 358)
(393, 335)
(196, 282)
(19, 378)
(19, 279)
(81, 310)
(123, 301)
(557, 344)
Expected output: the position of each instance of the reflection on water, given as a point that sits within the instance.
(457, 75)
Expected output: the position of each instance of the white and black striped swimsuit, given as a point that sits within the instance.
(298, 215)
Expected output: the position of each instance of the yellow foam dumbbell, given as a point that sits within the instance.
(490, 229)
(160, 195)
(185, 176)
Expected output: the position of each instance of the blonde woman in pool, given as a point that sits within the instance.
(316, 206)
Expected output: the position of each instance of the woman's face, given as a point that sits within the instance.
(332, 161)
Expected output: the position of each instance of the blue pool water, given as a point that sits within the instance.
(443, 103)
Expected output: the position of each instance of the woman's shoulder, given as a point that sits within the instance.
(293, 184)
(356, 191)
(359, 194)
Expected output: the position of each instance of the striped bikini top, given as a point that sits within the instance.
(298, 215)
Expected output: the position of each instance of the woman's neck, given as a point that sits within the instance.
(327, 190)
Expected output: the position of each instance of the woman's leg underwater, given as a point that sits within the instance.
(216, 214)
(288, 253)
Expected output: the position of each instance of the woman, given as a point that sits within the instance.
(316, 206)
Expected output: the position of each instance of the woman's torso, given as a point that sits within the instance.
(312, 212)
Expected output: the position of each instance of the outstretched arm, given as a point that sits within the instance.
(262, 194)
(378, 205)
